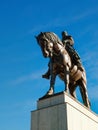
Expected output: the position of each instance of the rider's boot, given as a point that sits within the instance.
(80, 67)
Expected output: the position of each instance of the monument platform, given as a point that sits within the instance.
(62, 112)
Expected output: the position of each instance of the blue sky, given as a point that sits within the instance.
(21, 60)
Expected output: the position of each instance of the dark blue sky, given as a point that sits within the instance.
(21, 60)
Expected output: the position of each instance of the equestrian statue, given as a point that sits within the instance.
(64, 62)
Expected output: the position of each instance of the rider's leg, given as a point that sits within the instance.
(79, 64)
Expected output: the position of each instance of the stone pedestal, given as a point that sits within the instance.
(62, 112)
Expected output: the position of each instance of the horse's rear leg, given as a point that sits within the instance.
(66, 78)
(84, 94)
(72, 88)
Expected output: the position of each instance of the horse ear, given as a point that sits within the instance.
(41, 33)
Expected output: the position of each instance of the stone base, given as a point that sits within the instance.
(62, 112)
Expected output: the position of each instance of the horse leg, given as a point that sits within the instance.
(52, 82)
(52, 78)
(72, 88)
(66, 76)
(83, 91)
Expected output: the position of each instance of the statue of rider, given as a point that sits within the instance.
(68, 42)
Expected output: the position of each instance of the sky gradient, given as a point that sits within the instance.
(21, 59)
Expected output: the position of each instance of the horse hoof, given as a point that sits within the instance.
(50, 92)
(66, 91)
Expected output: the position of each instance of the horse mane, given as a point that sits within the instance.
(52, 37)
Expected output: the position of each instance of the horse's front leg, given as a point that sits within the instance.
(66, 80)
(52, 83)
(52, 78)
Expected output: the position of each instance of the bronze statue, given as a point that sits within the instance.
(62, 65)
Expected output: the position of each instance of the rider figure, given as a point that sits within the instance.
(68, 43)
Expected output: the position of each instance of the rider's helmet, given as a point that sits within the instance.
(64, 34)
(67, 37)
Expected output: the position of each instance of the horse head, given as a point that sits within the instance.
(45, 44)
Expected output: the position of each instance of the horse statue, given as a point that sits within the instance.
(61, 65)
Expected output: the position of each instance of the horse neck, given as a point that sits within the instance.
(60, 49)
(57, 47)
